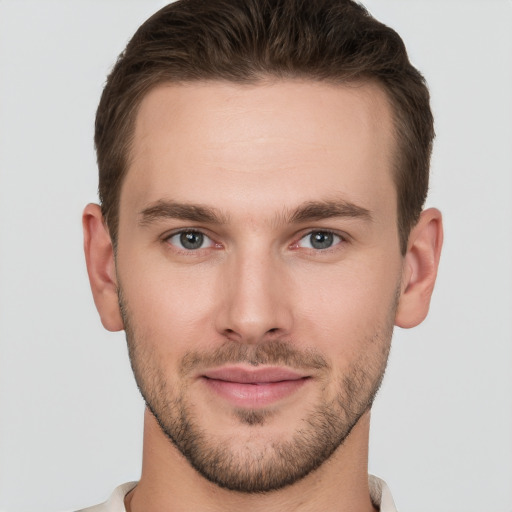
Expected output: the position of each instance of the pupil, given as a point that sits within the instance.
(321, 240)
(191, 240)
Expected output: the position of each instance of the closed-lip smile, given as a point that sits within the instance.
(248, 387)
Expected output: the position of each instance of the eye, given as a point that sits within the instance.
(190, 240)
(319, 240)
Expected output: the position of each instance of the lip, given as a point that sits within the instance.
(253, 388)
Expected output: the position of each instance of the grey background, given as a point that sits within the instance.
(70, 414)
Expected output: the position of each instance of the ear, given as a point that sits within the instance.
(99, 256)
(420, 269)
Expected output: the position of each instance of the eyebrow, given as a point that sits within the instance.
(318, 210)
(182, 211)
(309, 211)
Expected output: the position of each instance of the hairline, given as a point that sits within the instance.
(265, 78)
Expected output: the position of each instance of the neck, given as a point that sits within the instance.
(169, 483)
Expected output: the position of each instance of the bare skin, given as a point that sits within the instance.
(295, 246)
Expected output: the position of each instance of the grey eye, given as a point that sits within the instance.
(190, 240)
(319, 240)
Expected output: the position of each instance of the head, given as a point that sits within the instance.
(263, 165)
(253, 41)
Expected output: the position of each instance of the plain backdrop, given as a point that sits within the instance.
(70, 413)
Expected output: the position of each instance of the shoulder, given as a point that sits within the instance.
(116, 501)
(381, 495)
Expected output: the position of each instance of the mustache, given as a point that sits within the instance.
(275, 352)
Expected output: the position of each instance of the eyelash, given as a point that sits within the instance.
(337, 239)
(341, 239)
(196, 232)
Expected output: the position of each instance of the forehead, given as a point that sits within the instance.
(300, 138)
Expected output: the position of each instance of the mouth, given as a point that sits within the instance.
(253, 388)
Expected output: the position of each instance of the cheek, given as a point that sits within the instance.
(169, 307)
(333, 306)
(344, 306)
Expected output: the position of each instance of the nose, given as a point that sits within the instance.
(256, 299)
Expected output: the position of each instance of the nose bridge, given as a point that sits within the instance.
(255, 304)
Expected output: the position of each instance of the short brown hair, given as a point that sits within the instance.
(245, 41)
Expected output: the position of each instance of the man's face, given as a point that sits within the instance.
(259, 267)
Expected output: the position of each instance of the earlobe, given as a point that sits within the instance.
(420, 269)
(99, 256)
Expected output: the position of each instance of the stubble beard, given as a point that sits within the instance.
(276, 463)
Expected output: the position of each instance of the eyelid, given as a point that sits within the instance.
(169, 235)
(344, 238)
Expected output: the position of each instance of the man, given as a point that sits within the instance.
(263, 168)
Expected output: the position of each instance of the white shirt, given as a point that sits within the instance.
(379, 493)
